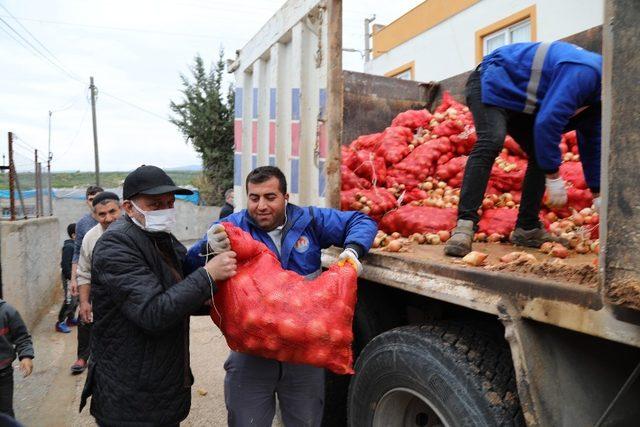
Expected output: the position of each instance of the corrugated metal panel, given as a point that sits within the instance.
(281, 98)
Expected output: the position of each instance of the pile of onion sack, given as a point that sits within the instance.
(408, 179)
(270, 312)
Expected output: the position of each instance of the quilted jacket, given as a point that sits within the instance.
(139, 374)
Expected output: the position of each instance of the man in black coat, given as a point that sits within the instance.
(227, 208)
(139, 374)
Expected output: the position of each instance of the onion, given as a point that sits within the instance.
(494, 238)
(442, 184)
(546, 247)
(475, 258)
(577, 219)
(365, 210)
(444, 235)
(559, 251)
(395, 235)
(551, 217)
(480, 237)
(581, 248)
(512, 256)
(394, 246)
(487, 204)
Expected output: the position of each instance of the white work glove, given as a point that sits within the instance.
(556, 192)
(351, 254)
(596, 204)
(217, 239)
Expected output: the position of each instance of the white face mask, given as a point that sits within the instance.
(162, 220)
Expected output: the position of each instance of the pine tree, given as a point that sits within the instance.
(205, 119)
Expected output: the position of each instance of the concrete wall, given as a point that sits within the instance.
(30, 260)
(449, 48)
(192, 220)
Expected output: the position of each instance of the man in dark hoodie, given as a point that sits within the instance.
(14, 340)
(67, 312)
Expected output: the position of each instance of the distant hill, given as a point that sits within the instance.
(191, 168)
(107, 179)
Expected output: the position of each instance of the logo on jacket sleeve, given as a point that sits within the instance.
(302, 244)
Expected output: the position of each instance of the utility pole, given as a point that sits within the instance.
(49, 158)
(12, 190)
(95, 128)
(367, 38)
(38, 189)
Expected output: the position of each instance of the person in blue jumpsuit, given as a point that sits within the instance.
(296, 235)
(535, 92)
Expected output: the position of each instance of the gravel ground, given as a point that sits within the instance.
(51, 395)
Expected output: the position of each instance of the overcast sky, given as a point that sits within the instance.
(136, 50)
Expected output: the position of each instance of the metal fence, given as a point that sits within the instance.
(25, 187)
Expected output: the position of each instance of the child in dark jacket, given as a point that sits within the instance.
(14, 340)
(70, 303)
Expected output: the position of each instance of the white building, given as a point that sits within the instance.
(441, 38)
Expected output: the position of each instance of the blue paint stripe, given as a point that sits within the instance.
(238, 103)
(255, 102)
(323, 101)
(254, 161)
(295, 103)
(272, 103)
(295, 175)
(272, 161)
(322, 179)
(237, 169)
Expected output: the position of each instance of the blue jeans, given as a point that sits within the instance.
(252, 383)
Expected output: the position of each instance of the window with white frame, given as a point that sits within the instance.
(516, 33)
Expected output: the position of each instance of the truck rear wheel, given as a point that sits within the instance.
(446, 374)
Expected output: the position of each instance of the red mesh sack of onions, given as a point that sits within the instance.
(410, 219)
(500, 221)
(270, 312)
(413, 119)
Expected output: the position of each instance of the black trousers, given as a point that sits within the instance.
(69, 305)
(492, 125)
(6, 391)
(84, 340)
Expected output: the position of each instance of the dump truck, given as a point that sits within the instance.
(436, 342)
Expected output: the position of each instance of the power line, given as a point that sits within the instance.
(131, 104)
(38, 52)
(75, 137)
(135, 30)
(31, 34)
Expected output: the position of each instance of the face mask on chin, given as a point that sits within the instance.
(163, 220)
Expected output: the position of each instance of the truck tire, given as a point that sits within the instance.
(374, 314)
(443, 374)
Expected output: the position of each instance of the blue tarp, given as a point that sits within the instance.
(80, 194)
(26, 194)
(194, 198)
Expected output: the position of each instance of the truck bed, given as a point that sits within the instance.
(562, 293)
(575, 270)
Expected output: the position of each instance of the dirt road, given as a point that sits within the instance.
(50, 396)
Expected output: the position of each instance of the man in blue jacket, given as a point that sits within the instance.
(535, 92)
(296, 235)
